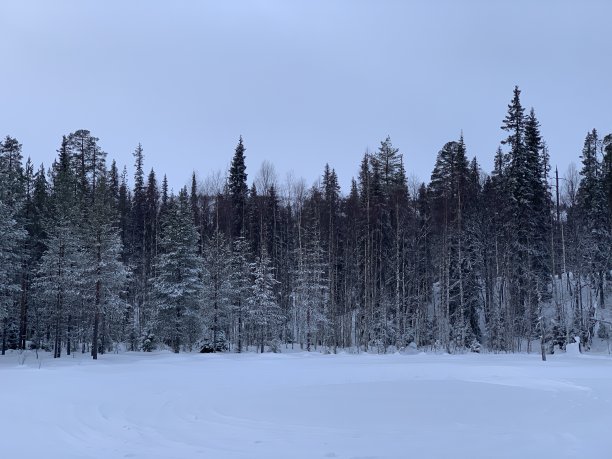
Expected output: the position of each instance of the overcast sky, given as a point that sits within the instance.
(304, 82)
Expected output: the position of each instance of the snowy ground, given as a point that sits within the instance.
(298, 405)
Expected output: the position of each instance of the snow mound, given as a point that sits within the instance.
(573, 348)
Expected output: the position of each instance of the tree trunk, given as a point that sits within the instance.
(176, 345)
(4, 330)
(68, 331)
(308, 333)
(103, 335)
(58, 339)
(261, 340)
(602, 299)
(94, 341)
(239, 326)
(23, 316)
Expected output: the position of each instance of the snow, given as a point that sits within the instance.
(306, 405)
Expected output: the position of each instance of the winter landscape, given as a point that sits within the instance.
(307, 405)
(305, 229)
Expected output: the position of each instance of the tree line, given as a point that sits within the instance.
(470, 260)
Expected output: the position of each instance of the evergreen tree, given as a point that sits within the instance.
(88, 163)
(217, 292)
(137, 248)
(264, 312)
(240, 281)
(177, 283)
(106, 273)
(452, 193)
(529, 214)
(593, 216)
(607, 175)
(310, 293)
(238, 189)
(13, 280)
(59, 284)
(12, 236)
(390, 164)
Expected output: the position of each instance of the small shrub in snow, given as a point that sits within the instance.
(275, 346)
(208, 346)
(603, 332)
(148, 342)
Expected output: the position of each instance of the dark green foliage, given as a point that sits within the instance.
(238, 189)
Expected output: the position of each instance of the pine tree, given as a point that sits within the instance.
(238, 189)
(264, 312)
(13, 274)
(390, 164)
(12, 236)
(59, 283)
(151, 221)
(34, 212)
(217, 292)
(60, 276)
(177, 283)
(607, 175)
(137, 248)
(310, 292)
(88, 163)
(330, 226)
(452, 193)
(529, 215)
(593, 216)
(106, 274)
(240, 281)
(12, 177)
(124, 208)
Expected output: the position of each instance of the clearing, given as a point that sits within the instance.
(306, 405)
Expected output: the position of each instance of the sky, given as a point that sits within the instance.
(305, 82)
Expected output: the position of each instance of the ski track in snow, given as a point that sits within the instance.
(300, 405)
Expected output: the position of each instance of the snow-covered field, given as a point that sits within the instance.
(299, 405)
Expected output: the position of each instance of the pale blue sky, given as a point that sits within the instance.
(304, 81)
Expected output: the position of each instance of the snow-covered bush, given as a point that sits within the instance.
(148, 342)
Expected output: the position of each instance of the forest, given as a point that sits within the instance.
(518, 258)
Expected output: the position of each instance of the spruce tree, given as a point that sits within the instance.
(238, 189)
(106, 274)
(177, 283)
(529, 217)
(240, 281)
(593, 215)
(310, 292)
(216, 292)
(264, 312)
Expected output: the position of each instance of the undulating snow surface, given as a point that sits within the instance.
(299, 405)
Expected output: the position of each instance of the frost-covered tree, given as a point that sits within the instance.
(592, 217)
(106, 272)
(264, 312)
(177, 282)
(216, 292)
(59, 284)
(528, 213)
(12, 235)
(240, 281)
(310, 293)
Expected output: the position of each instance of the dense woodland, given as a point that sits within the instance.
(92, 260)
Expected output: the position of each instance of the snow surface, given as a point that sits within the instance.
(300, 405)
